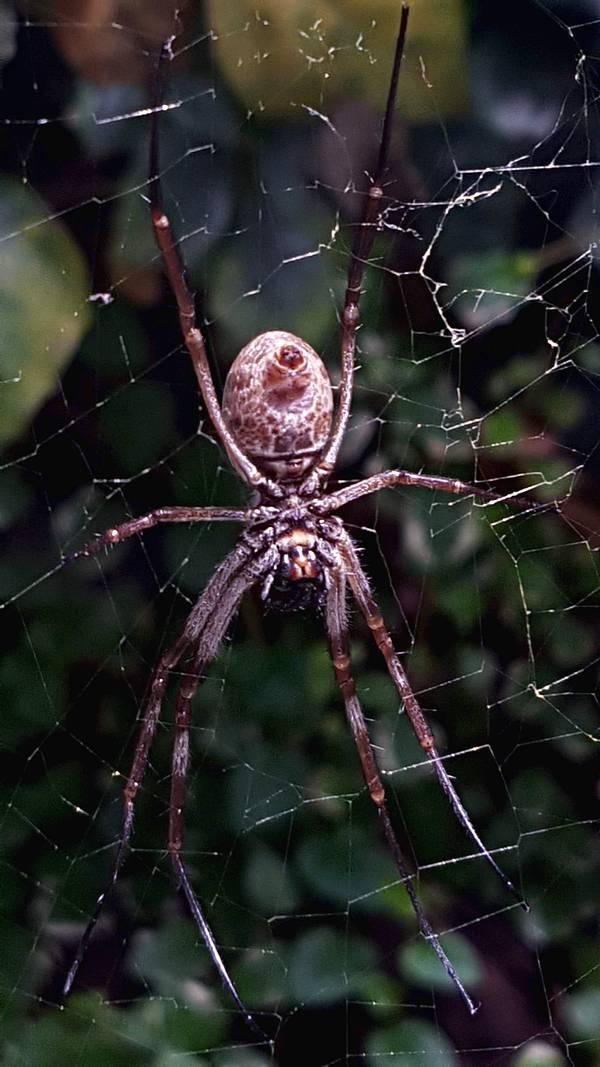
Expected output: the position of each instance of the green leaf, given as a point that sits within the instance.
(539, 1054)
(43, 305)
(350, 870)
(326, 966)
(239, 1057)
(88, 1028)
(419, 965)
(174, 1030)
(423, 1044)
(268, 882)
(381, 995)
(171, 960)
(260, 978)
(581, 1011)
(509, 277)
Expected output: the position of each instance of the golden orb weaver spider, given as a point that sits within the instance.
(282, 432)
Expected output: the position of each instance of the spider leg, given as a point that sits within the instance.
(359, 255)
(387, 479)
(337, 633)
(192, 334)
(364, 598)
(206, 649)
(183, 718)
(208, 605)
(168, 514)
(147, 729)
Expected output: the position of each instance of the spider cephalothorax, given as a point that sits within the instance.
(277, 429)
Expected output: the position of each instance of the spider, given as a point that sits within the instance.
(282, 433)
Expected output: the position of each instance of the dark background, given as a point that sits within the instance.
(489, 239)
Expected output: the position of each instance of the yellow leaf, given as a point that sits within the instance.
(281, 58)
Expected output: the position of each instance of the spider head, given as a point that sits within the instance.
(278, 404)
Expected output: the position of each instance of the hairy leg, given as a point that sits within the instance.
(359, 255)
(337, 633)
(388, 479)
(362, 593)
(192, 334)
(116, 534)
(206, 648)
(213, 596)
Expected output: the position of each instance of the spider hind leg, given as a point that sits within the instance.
(362, 594)
(337, 635)
(247, 564)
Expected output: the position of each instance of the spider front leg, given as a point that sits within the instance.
(192, 334)
(337, 633)
(359, 255)
(364, 598)
(389, 479)
(115, 534)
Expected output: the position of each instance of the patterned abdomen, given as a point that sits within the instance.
(278, 404)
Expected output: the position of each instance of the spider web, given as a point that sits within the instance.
(478, 359)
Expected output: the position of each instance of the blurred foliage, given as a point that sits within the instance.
(478, 361)
(419, 1042)
(280, 62)
(43, 296)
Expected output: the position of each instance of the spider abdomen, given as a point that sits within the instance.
(278, 404)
